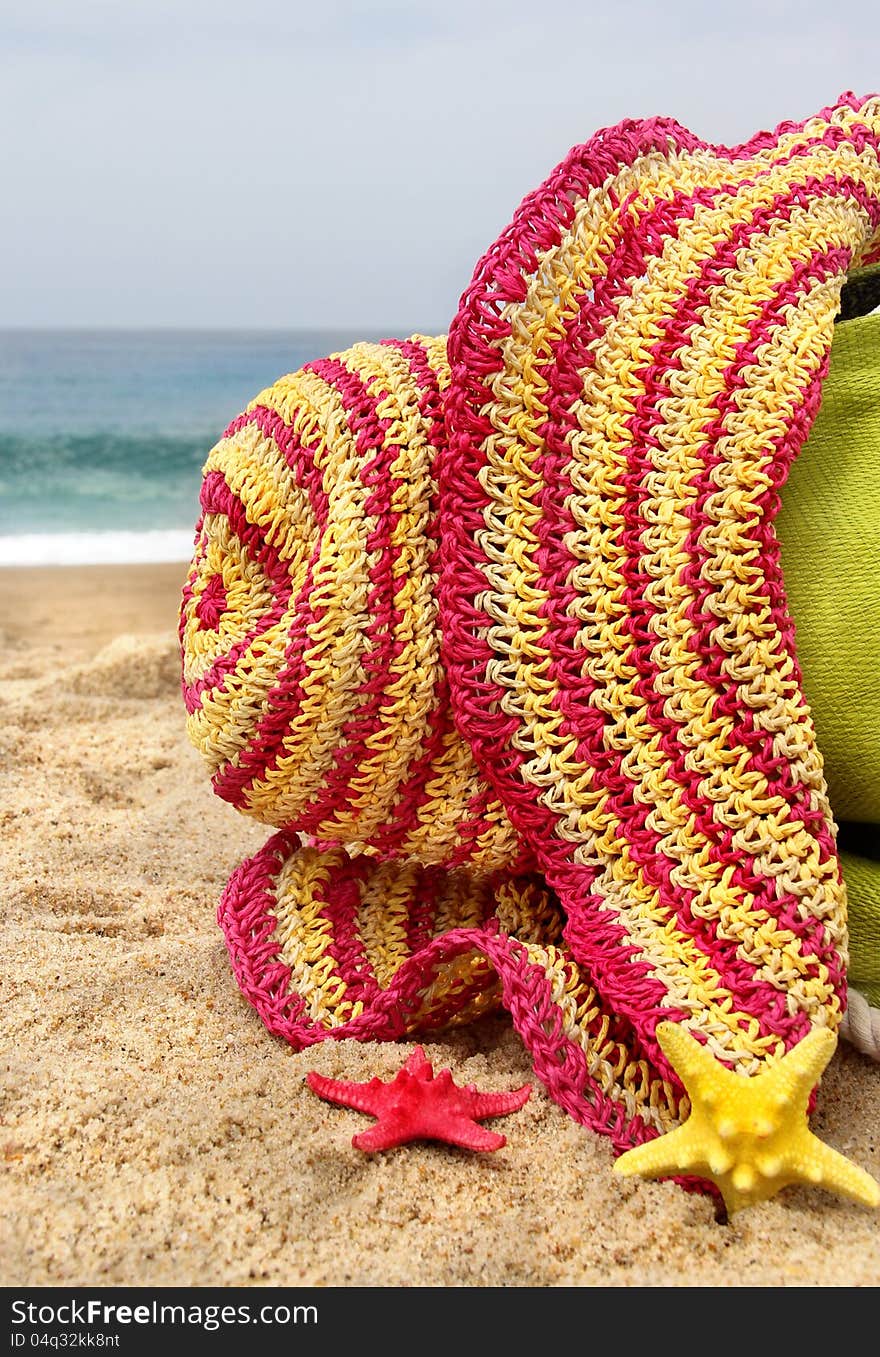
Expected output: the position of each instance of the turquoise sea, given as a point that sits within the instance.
(103, 433)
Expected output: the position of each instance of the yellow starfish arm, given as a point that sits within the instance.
(749, 1135)
(793, 1078)
(809, 1160)
(666, 1156)
(694, 1063)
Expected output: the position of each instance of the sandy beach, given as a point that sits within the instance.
(155, 1134)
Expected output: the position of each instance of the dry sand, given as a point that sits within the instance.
(153, 1133)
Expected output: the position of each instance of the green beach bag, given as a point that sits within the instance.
(829, 532)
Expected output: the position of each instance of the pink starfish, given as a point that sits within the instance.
(415, 1105)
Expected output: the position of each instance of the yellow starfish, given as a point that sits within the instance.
(749, 1135)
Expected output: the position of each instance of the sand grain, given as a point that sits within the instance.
(153, 1133)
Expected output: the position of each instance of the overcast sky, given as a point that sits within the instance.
(344, 163)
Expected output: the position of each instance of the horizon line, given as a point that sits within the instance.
(53, 328)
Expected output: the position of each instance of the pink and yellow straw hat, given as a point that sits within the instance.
(493, 631)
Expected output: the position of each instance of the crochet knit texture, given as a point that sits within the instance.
(494, 632)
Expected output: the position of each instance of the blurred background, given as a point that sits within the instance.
(202, 195)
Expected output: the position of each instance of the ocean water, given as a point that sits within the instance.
(103, 433)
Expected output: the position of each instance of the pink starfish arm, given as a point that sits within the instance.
(361, 1097)
(470, 1136)
(498, 1104)
(419, 1064)
(392, 1131)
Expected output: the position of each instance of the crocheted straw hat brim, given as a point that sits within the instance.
(634, 367)
(311, 947)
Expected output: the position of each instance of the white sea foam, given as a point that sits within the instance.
(97, 548)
